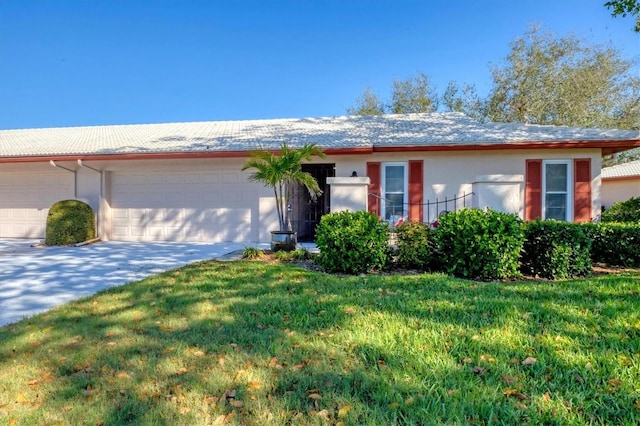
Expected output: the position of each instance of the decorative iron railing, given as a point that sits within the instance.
(396, 214)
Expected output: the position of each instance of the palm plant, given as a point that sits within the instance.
(280, 171)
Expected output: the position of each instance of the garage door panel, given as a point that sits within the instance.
(211, 178)
(211, 206)
(25, 199)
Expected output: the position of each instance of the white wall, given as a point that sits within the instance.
(348, 193)
(449, 174)
(446, 174)
(617, 190)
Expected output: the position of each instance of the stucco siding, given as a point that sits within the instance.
(213, 200)
(26, 194)
(614, 191)
(451, 174)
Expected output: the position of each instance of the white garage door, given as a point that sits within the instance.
(25, 200)
(213, 206)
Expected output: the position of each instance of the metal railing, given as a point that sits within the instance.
(433, 208)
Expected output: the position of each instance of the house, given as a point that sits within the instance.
(620, 182)
(183, 181)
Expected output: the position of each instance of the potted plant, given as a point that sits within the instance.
(281, 171)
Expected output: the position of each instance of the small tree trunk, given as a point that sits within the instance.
(287, 215)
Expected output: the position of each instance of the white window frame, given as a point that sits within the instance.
(569, 206)
(405, 198)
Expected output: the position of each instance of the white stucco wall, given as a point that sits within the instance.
(348, 193)
(248, 208)
(615, 190)
(27, 191)
(450, 174)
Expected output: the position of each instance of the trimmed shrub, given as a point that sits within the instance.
(616, 244)
(70, 222)
(416, 246)
(623, 211)
(480, 244)
(556, 250)
(352, 242)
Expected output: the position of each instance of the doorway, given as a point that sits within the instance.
(305, 212)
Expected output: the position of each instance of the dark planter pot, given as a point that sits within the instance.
(283, 240)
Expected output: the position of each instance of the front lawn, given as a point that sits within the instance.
(267, 343)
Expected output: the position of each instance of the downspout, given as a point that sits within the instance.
(100, 199)
(75, 177)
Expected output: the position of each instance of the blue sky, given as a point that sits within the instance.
(76, 63)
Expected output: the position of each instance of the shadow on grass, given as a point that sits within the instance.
(255, 343)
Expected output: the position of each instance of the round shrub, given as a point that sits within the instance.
(623, 211)
(416, 246)
(70, 222)
(480, 244)
(352, 242)
(556, 250)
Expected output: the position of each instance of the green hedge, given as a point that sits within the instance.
(556, 250)
(352, 242)
(70, 222)
(480, 244)
(624, 211)
(417, 247)
(616, 244)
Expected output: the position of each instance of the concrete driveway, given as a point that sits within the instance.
(35, 279)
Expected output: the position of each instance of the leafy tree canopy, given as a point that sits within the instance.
(624, 8)
(367, 104)
(464, 98)
(564, 81)
(413, 95)
(545, 79)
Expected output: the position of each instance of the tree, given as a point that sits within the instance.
(410, 95)
(463, 99)
(564, 81)
(367, 104)
(280, 171)
(624, 8)
(413, 95)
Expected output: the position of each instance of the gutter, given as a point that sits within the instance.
(75, 176)
(81, 164)
(100, 199)
(607, 147)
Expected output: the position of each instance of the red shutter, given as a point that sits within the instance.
(533, 190)
(415, 190)
(374, 173)
(582, 190)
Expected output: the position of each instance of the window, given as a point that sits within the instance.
(556, 186)
(394, 192)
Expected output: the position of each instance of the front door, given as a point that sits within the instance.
(305, 212)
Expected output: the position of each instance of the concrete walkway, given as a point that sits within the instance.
(35, 279)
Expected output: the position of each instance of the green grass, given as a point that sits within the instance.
(266, 343)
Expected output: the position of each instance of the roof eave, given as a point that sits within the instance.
(607, 146)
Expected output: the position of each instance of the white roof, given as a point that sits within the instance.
(622, 170)
(434, 129)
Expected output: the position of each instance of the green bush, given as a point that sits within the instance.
(624, 211)
(352, 242)
(616, 244)
(252, 253)
(297, 255)
(70, 222)
(480, 244)
(416, 246)
(556, 250)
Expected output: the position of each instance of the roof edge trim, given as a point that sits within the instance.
(163, 155)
